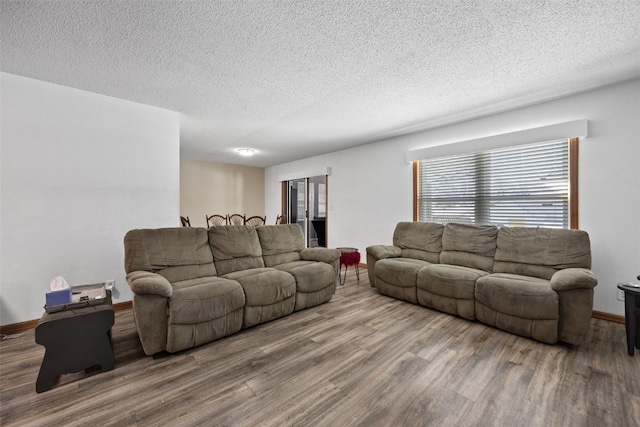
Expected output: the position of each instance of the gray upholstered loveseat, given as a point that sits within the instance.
(193, 285)
(534, 282)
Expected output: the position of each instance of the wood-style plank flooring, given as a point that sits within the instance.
(360, 360)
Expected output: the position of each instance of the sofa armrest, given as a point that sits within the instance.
(573, 278)
(145, 282)
(327, 255)
(320, 254)
(378, 252)
(575, 291)
(384, 251)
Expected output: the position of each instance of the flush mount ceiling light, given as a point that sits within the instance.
(245, 151)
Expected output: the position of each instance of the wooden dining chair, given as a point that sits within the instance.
(281, 219)
(215, 220)
(256, 220)
(236, 219)
(184, 220)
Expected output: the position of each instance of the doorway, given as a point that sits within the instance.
(306, 205)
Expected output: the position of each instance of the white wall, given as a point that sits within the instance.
(78, 170)
(208, 188)
(370, 186)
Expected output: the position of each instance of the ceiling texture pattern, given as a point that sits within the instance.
(293, 79)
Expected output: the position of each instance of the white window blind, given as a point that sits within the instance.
(525, 185)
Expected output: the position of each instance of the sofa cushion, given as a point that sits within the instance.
(521, 296)
(540, 252)
(401, 271)
(199, 300)
(452, 281)
(522, 305)
(469, 245)
(185, 272)
(280, 243)
(264, 286)
(270, 294)
(315, 282)
(203, 310)
(157, 249)
(235, 248)
(397, 277)
(419, 240)
(448, 288)
(310, 276)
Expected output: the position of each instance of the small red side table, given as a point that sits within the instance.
(349, 256)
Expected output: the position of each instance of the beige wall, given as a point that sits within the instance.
(208, 188)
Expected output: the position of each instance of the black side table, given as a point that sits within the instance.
(74, 340)
(631, 315)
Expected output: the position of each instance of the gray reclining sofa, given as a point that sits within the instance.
(534, 282)
(193, 285)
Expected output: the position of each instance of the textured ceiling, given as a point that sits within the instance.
(293, 79)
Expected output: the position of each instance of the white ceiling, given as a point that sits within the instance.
(294, 79)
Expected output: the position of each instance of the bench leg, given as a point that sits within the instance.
(73, 344)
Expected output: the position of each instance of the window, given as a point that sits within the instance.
(525, 185)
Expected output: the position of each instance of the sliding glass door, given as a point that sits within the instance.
(306, 204)
(317, 211)
(298, 204)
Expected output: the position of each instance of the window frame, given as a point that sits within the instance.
(573, 185)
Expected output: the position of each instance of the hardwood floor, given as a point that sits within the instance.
(360, 360)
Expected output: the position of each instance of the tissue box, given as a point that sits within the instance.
(59, 297)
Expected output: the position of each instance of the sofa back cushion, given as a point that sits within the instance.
(280, 243)
(235, 248)
(176, 253)
(540, 252)
(419, 240)
(469, 245)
